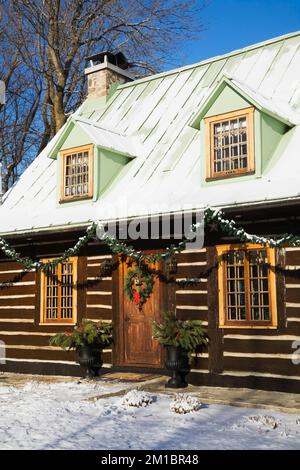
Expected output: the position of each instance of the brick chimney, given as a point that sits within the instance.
(106, 69)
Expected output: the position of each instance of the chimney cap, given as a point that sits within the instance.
(117, 59)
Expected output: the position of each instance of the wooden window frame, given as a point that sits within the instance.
(43, 296)
(63, 155)
(222, 289)
(248, 113)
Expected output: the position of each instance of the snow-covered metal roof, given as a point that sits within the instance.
(275, 108)
(110, 139)
(150, 117)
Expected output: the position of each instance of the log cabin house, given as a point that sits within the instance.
(222, 133)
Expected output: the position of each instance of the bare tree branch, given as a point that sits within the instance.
(43, 44)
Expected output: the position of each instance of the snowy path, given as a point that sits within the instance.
(56, 416)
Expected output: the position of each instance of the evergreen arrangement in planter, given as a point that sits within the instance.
(88, 339)
(180, 338)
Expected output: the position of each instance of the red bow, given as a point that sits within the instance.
(136, 297)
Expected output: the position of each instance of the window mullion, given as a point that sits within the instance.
(212, 149)
(73, 291)
(44, 288)
(59, 292)
(225, 290)
(247, 288)
(271, 260)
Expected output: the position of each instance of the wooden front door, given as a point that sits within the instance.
(137, 348)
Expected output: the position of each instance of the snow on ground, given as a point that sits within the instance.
(58, 416)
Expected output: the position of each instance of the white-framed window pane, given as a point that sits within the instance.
(230, 140)
(77, 172)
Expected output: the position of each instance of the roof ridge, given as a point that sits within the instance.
(257, 45)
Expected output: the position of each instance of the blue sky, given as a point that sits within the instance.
(232, 24)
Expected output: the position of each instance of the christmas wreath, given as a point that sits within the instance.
(138, 285)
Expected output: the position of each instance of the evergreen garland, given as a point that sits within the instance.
(28, 263)
(229, 227)
(226, 226)
(122, 248)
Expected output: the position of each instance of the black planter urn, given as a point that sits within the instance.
(90, 358)
(177, 363)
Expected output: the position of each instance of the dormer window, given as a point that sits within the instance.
(77, 173)
(230, 144)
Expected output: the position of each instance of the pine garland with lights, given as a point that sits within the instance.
(28, 263)
(122, 248)
(226, 226)
(229, 227)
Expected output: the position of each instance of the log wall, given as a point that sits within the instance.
(26, 340)
(191, 295)
(99, 295)
(258, 358)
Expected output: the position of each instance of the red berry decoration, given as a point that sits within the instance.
(136, 297)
